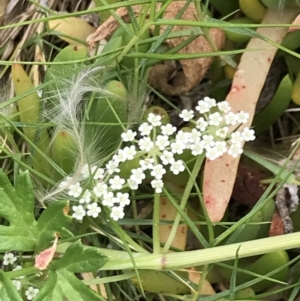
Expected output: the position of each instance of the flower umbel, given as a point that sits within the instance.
(156, 149)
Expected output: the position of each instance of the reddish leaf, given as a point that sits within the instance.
(220, 174)
(43, 259)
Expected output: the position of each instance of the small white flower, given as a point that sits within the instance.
(147, 163)
(87, 171)
(86, 197)
(9, 258)
(197, 148)
(117, 213)
(210, 101)
(123, 199)
(157, 185)
(187, 115)
(235, 150)
(134, 185)
(202, 107)
(127, 153)
(130, 152)
(215, 119)
(108, 199)
(116, 182)
(183, 137)
(93, 210)
(112, 166)
(221, 147)
(212, 153)
(177, 167)
(99, 174)
(236, 138)
(100, 189)
(242, 117)
(224, 106)
(79, 212)
(17, 284)
(195, 135)
(248, 134)
(31, 292)
(137, 175)
(65, 183)
(222, 133)
(162, 142)
(128, 136)
(177, 147)
(167, 157)
(154, 120)
(75, 190)
(168, 129)
(208, 141)
(231, 118)
(201, 124)
(158, 171)
(145, 129)
(145, 144)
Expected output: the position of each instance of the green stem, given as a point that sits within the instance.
(22, 272)
(120, 260)
(201, 282)
(183, 202)
(155, 231)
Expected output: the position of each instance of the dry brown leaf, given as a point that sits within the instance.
(90, 276)
(3, 6)
(277, 226)
(106, 29)
(220, 174)
(193, 70)
(195, 277)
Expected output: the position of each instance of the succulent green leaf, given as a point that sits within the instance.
(276, 107)
(60, 72)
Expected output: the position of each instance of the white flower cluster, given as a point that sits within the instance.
(157, 151)
(10, 259)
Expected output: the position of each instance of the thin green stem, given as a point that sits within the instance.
(183, 202)
(155, 231)
(201, 282)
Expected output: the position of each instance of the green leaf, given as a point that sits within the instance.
(63, 73)
(53, 220)
(16, 206)
(74, 289)
(275, 108)
(51, 291)
(78, 259)
(8, 291)
(62, 284)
